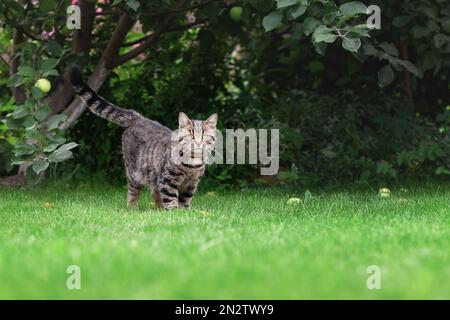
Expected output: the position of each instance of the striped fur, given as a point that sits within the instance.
(99, 106)
(148, 149)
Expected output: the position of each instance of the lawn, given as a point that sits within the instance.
(249, 244)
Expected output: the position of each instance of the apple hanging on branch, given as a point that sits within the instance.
(44, 85)
(236, 13)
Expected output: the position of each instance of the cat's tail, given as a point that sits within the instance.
(97, 104)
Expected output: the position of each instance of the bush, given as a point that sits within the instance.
(347, 137)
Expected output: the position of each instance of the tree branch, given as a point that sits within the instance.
(112, 49)
(83, 37)
(174, 29)
(137, 41)
(152, 38)
(77, 107)
(408, 94)
(188, 25)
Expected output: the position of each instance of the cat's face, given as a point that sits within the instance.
(195, 136)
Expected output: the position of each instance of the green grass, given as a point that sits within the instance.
(244, 245)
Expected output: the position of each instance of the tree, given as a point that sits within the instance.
(43, 43)
(117, 32)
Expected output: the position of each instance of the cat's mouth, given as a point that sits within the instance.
(196, 156)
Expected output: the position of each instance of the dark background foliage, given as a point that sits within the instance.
(337, 123)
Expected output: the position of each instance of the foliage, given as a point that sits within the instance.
(42, 141)
(347, 98)
(352, 138)
(48, 47)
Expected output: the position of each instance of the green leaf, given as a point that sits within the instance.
(54, 121)
(133, 4)
(370, 50)
(353, 8)
(17, 162)
(385, 76)
(15, 81)
(47, 65)
(26, 71)
(47, 5)
(24, 149)
(33, 135)
(13, 124)
(60, 156)
(285, 3)
(324, 34)
(14, 7)
(330, 17)
(389, 48)
(42, 112)
(58, 139)
(37, 93)
(21, 112)
(54, 48)
(40, 165)
(51, 72)
(298, 11)
(357, 31)
(441, 40)
(29, 47)
(272, 20)
(351, 44)
(29, 122)
(67, 146)
(408, 65)
(310, 25)
(442, 170)
(51, 147)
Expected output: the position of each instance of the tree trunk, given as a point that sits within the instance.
(407, 88)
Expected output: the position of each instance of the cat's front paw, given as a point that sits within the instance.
(171, 205)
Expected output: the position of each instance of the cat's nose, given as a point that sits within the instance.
(198, 142)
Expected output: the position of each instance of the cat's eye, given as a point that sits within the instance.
(209, 139)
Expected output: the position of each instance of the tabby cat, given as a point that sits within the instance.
(149, 148)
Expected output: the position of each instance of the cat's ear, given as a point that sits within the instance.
(183, 120)
(211, 122)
